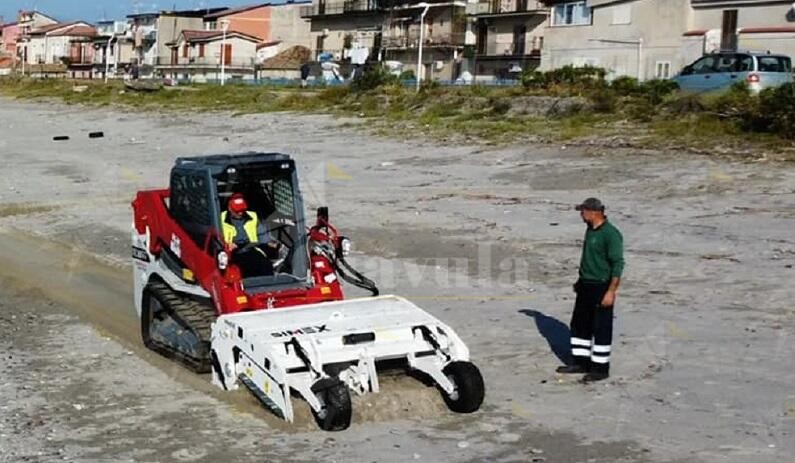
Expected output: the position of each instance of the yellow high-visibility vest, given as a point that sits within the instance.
(230, 232)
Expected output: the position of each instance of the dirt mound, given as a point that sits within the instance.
(291, 58)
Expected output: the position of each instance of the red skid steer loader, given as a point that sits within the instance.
(281, 325)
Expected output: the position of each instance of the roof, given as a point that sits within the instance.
(32, 12)
(75, 31)
(231, 11)
(291, 58)
(209, 36)
(268, 44)
(143, 15)
(218, 163)
(200, 13)
(81, 28)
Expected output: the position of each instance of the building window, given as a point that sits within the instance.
(201, 50)
(662, 70)
(572, 14)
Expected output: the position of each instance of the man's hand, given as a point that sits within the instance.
(232, 247)
(609, 299)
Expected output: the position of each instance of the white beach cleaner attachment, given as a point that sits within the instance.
(325, 351)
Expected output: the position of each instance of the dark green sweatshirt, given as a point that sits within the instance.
(602, 253)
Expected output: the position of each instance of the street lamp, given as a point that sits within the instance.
(107, 57)
(425, 8)
(224, 28)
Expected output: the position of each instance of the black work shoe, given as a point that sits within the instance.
(571, 369)
(594, 377)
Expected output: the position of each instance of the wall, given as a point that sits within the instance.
(243, 52)
(48, 49)
(755, 16)
(499, 38)
(660, 24)
(255, 22)
(362, 27)
(431, 57)
(169, 28)
(10, 34)
(288, 26)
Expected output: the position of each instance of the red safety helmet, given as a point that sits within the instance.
(237, 203)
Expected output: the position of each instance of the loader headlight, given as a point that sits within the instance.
(346, 245)
(223, 260)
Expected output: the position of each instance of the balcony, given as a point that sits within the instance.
(347, 7)
(495, 8)
(412, 40)
(521, 49)
(205, 62)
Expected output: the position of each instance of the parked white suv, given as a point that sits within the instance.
(719, 71)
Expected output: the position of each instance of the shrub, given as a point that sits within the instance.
(571, 77)
(625, 85)
(777, 109)
(407, 75)
(657, 90)
(500, 105)
(603, 100)
(534, 80)
(372, 78)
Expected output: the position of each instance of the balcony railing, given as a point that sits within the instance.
(495, 50)
(206, 61)
(511, 7)
(412, 40)
(338, 8)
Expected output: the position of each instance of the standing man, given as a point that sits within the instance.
(601, 266)
(305, 69)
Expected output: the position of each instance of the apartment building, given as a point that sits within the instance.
(638, 38)
(508, 37)
(196, 56)
(278, 24)
(113, 48)
(655, 39)
(389, 31)
(336, 25)
(170, 24)
(441, 31)
(143, 27)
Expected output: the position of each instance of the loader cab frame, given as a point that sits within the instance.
(202, 186)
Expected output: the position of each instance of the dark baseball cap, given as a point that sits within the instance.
(590, 204)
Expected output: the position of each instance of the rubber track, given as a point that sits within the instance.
(192, 316)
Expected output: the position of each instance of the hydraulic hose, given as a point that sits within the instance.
(355, 278)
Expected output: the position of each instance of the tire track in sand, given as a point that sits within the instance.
(102, 296)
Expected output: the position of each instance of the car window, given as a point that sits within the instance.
(773, 64)
(705, 65)
(787, 63)
(744, 63)
(725, 63)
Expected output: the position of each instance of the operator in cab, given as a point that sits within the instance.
(247, 238)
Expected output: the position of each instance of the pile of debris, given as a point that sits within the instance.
(292, 58)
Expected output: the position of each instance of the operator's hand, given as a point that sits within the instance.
(609, 299)
(232, 247)
(273, 244)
